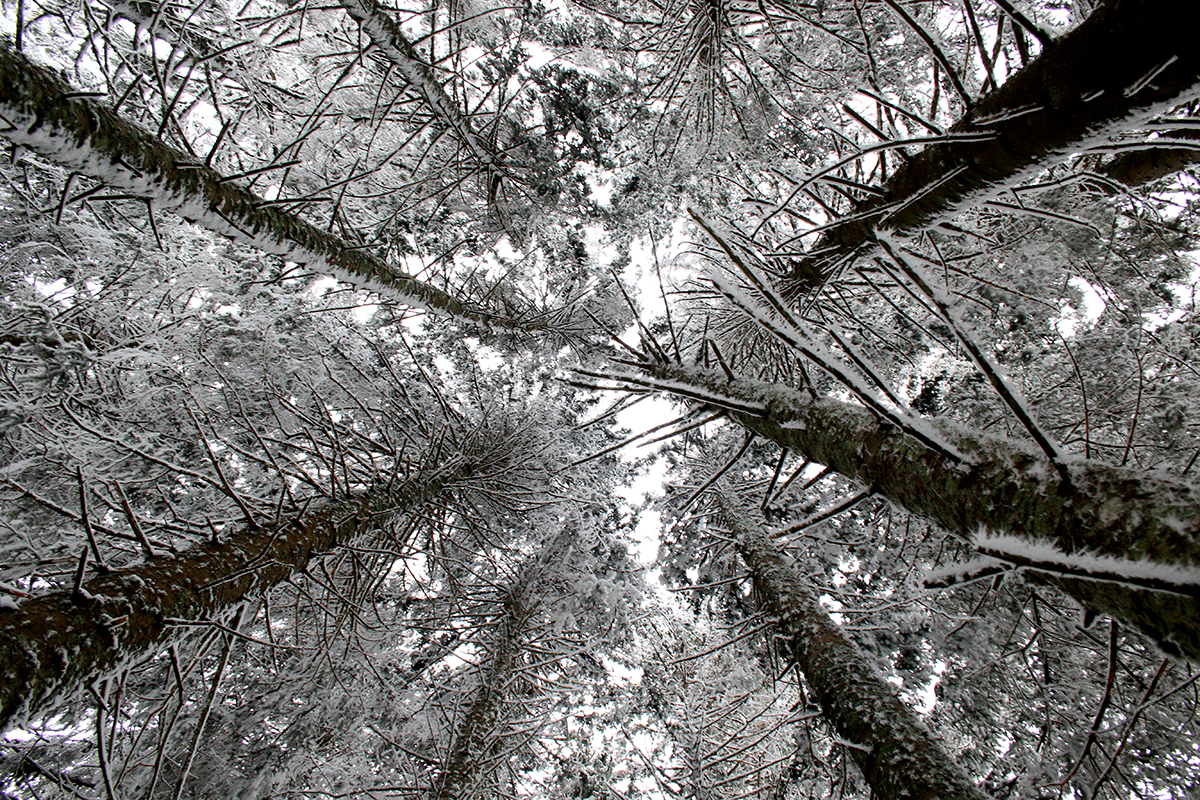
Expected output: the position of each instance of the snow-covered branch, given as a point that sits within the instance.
(41, 112)
(1006, 486)
(1129, 62)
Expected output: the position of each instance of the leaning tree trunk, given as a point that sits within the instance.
(898, 755)
(392, 42)
(1127, 62)
(52, 647)
(476, 734)
(43, 113)
(1004, 488)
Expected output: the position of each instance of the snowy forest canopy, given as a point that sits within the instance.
(609, 399)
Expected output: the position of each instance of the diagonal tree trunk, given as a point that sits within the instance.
(897, 754)
(1129, 61)
(479, 728)
(390, 39)
(44, 114)
(1005, 488)
(52, 647)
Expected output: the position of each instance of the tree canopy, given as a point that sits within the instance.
(599, 399)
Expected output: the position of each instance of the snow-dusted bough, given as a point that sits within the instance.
(1146, 520)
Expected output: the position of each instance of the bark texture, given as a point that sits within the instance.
(42, 113)
(1006, 488)
(898, 755)
(51, 647)
(1130, 60)
(479, 728)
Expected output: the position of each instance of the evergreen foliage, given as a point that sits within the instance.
(327, 333)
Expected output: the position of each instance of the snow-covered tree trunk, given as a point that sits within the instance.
(392, 42)
(1129, 61)
(479, 728)
(54, 646)
(1143, 526)
(43, 113)
(898, 755)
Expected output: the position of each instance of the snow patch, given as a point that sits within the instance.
(1099, 566)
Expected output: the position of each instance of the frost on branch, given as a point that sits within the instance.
(80, 134)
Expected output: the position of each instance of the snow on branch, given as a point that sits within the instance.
(1128, 63)
(944, 306)
(769, 311)
(1045, 556)
(41, 112)
(966, 572)
(1117, 512)
(390, 39)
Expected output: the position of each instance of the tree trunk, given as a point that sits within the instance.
(52, 647)
(390, 39)
(1005, 489)
(1139, 167)
(45, 115)
(1128, 62)
(478, 730)
(898, 755)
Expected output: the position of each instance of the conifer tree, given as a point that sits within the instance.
(975, 486)
(262, 537)
(55, 645)
(1072, 94)
(47, 116)
(896, 753)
